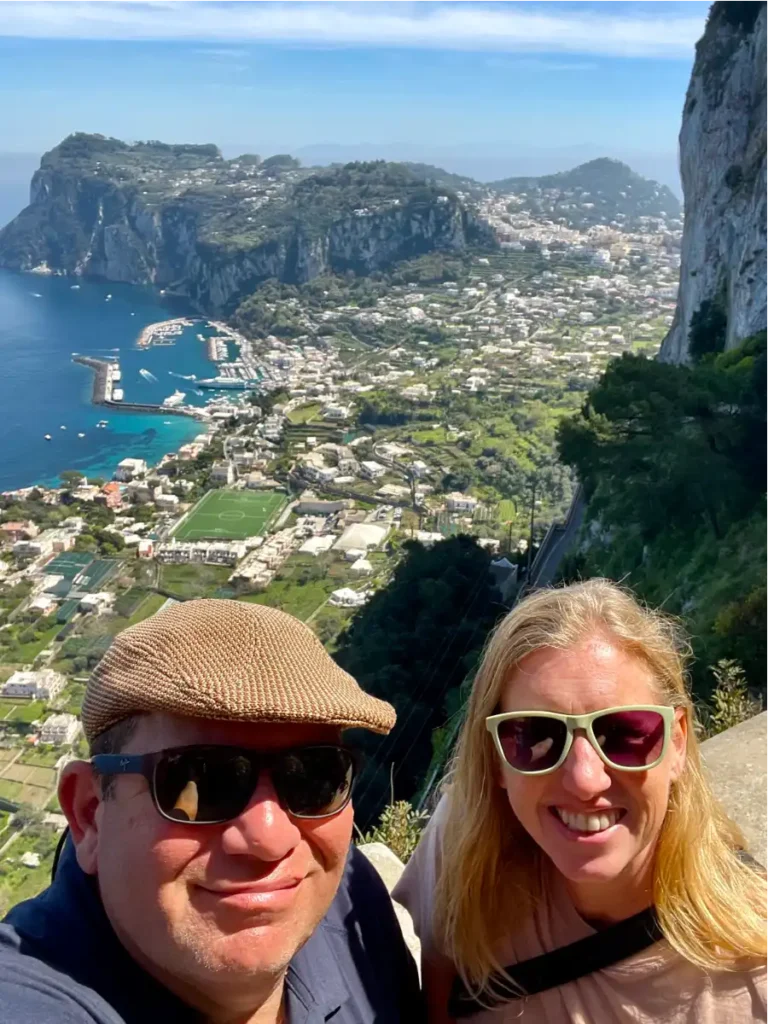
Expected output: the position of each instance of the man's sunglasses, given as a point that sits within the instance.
(632, 738)
(209, 785)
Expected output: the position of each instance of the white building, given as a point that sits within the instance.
(372, 470)
(211, 552)
(347, 598)
(222, 473)
(361, 537)
(44, 684)
(458, 502)
(167, 502)
(60, 729)
(130, 469)
(317, 545)
(96, 602)
(419, 469)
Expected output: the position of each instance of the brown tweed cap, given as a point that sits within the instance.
(226, 660)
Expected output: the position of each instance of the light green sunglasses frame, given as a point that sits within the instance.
(585, 722)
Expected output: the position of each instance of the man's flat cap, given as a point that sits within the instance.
(226, 660)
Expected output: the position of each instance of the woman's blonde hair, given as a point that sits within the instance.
(711, 906)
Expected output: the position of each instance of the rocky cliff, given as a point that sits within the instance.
(722, 155)
(184, 219)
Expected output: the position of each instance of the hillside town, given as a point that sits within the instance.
(422, 410)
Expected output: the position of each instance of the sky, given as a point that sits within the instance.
(488, 89)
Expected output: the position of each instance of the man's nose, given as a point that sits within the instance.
(263, 829)
(584, 773)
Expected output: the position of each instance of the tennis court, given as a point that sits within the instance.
(69, 564)
(231, 515)
(94, 575)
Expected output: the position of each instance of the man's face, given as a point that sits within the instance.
(211, 906)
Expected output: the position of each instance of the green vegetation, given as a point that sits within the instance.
(737, 14)
(672, 459)
(413, 645)
(730, 698)
(17, 709)
(304, 413)
(230, 515)
(194, 580)
(612, 190)
(399, 828)
(303, 584)
(706, 334)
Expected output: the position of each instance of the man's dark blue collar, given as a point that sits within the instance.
(68, 927)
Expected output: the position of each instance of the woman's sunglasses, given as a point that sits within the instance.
(632, 738)
(209, 785)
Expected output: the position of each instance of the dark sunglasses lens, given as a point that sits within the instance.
(630, 739)
(204, 786)
(532, 744)
(314, 782)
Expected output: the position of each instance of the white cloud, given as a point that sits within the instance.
(453, 26)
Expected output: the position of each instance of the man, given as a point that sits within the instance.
(210, 876)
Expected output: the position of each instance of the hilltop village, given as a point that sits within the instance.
(357, 413)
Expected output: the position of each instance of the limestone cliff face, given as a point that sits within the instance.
(82, 223)
(722, 154)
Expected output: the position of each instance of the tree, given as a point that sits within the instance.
(707, 330)
(71, 478)
(413, 644)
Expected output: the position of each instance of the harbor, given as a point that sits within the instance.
(106, 374)
(164, 332)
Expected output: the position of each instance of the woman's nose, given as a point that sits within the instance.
(583, 772)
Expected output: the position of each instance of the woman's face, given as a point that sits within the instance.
(593, 675)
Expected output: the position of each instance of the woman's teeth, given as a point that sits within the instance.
(588, 822)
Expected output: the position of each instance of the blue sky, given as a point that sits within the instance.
(482, 88)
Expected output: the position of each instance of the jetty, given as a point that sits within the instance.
(106, 374)
(164, 332)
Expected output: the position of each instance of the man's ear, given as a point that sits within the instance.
(80, 797)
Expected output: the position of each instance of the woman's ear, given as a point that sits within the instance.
(80, 797)
(679, 742)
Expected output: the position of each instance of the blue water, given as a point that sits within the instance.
(43, 320)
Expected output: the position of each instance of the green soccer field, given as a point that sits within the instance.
(230, 515)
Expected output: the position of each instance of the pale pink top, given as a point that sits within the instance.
(656, 985)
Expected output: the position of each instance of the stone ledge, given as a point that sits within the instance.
(390, 867)
(735, 762)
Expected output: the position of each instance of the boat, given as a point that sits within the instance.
(36, 295)
(228, 383)
(166, 423)
(102, 423)
(148, 376)
(74, 287)
(47, 437)
(62, 427)
(173, 400)
(117, 395)
(133, 314)
(108, 298)
(81, 435)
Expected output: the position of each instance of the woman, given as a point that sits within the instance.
(577, 801)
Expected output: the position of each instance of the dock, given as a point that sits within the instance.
(106, 372)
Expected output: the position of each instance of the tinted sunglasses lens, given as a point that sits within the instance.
(204, 786)
(630, 739)
(532, 744)
(315, 782)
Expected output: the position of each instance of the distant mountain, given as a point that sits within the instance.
(185, 219)
(600, 191)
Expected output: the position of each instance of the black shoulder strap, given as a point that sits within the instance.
(560, 966)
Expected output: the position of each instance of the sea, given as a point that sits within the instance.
(43, 321)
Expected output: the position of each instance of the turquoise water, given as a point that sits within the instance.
(43, 320)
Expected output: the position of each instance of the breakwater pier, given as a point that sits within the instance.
(106, 376)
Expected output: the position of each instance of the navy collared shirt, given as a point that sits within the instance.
(61, 962)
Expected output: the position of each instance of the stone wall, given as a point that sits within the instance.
(736, 764)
